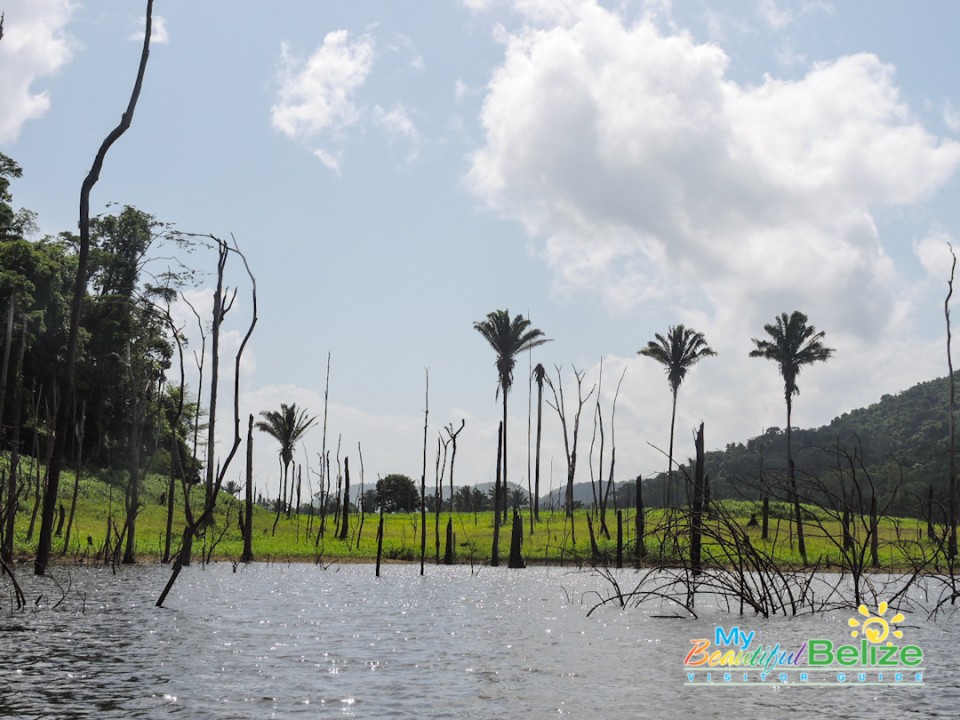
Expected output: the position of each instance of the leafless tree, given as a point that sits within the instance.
(68, 378)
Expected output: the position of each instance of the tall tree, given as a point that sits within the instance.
(508, 338)
(67, 378)
(286, 426)
(680, 350)
(539, 375)
(792, 344)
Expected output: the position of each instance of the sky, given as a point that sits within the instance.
(395, 171)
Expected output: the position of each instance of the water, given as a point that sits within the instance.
(303, 641)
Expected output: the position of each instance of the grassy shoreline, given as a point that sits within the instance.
(100, 504)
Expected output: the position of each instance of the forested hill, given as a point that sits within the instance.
(900, 441)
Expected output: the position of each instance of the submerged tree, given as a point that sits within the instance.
(68, 378)
(792, 344)
(679, 351)
(508, 338)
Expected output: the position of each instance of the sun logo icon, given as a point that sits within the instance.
(875, 628)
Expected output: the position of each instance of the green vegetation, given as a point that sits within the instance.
(100, 504)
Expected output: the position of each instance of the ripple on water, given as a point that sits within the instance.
(278, 641)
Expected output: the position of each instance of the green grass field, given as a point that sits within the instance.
(551, 540)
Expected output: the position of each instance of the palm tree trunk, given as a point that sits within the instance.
(673, 418)
(502, 499)
(792, 487)
(536, 485)
(495, 550)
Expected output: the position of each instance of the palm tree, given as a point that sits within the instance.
(793, 344)
(286, 426)
(679, 351)
(539, 375)
(508, 338)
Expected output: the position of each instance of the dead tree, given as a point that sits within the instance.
(247, 516)
(640, 530)
(345, 515)
(68, 379)
(448, 555)
(570, 448)
(196, 522)
(696, 524)
(423, 476)
(952, 500)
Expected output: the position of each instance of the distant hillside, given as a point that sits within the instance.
(900, 442)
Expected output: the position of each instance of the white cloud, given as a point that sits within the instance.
(315, 100)
(399, 127)
(158, 33)
(403, 43)
(951, 116)
(35, 45)
(775, 16)
(479, 6)
(933, 251)
(637, 162)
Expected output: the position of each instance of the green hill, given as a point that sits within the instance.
(898, 445)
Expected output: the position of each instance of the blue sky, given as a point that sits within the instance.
(394, 172)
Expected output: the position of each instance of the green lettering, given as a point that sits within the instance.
(888, 656)
(848, 655)
(911, 655)
(820, 652)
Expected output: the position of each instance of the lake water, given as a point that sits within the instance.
(276, 641)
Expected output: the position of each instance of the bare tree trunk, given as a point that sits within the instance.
(765, 516)
(132, 500)
(696, 528)
(845, 519)
(247, 555)
(640, 531)
(952, 484)
(79, 287)
(6, 551)
(619, 539)
(516, 543)
(345, 516)
(78, 434)
(380, 540)
(193, 524)
(363, 510)
(7, 347)
(423, 477)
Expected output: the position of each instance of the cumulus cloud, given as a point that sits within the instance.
(35, 45)
(315, 100)
(933, 252)
(645, 170)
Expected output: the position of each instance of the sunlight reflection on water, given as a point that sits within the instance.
(298, 640)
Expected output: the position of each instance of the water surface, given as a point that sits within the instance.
(303, 641)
